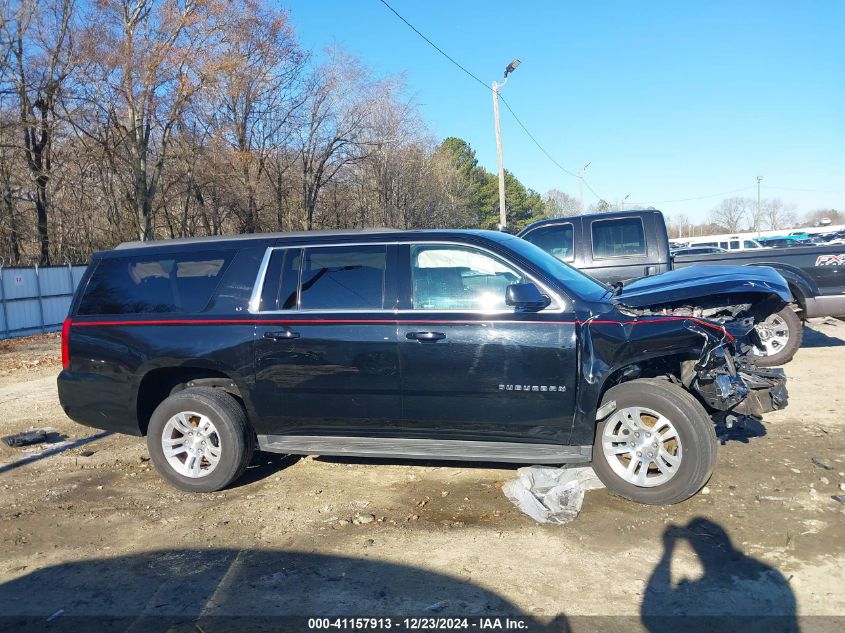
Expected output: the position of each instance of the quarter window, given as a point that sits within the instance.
(555, 240)
(343, 277)
(171, 283)
(623, 237)
(459, 278)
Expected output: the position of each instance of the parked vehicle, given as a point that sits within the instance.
(627, 245)
(734, 243)
(469, 345)
(784, 241)
(697, 250)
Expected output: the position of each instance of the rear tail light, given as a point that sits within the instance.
(66, 343)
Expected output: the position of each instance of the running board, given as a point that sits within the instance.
(405, 448)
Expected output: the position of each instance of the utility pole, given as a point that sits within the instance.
(503, 216)
(581, 185)
(759, 209)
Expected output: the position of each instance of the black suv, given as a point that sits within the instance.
(467, 345)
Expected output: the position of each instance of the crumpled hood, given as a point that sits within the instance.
(694, 282)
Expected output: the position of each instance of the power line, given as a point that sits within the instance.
(536, 142)
(435, 46)
(709, 195)
(806, 190)
(507, 105)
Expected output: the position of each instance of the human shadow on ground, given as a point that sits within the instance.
(735, 593)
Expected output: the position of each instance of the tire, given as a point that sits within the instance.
(225, 453)
(694, 450)
(785, 350)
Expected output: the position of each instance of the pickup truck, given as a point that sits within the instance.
(618, 247)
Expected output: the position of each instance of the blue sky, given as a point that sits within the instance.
(667, 100)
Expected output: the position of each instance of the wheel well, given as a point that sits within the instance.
(158, 384)
(797, 295)
(668, 367)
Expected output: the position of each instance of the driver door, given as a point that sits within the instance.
(474, 369)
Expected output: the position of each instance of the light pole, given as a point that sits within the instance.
(503, 217)
(581, 185)
(759, 214)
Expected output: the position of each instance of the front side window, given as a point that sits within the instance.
(342, 278)
(163, 284)
(555, 239)
(459, 278)
(623, 237)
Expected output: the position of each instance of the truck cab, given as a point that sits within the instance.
(610, 247)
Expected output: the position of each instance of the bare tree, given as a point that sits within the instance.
(147, 61)
(337, 113)
(254, 95)
(559, 204)
(36, 66)
(776, 215)
(731, 213)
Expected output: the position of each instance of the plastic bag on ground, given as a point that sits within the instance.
(551, 495)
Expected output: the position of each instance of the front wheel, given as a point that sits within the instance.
(658, 446)
(780, 335)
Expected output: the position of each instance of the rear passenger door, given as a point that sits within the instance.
(326, 361)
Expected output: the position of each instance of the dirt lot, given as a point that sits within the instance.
(89, 529)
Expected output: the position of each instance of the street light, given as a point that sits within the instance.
(503, 218)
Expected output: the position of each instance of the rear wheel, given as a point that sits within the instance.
(200, 440)
(780, 335)
(658, 446)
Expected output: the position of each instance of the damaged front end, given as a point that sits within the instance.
(722, 304)
(729, 381)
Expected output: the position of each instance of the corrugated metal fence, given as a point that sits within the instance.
(37, 299)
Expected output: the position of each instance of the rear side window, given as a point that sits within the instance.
(343, 278)
(734, 245)
(163, 284)
(624, 237)
(555, 240)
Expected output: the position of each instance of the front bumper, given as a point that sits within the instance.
(766, 391)
(744, 389)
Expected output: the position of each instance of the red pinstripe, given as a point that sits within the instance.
(397, 321)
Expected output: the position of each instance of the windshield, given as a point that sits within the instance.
(572, 279)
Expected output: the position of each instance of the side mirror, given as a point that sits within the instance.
(526, 296)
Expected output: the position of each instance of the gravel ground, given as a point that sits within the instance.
(89, 529)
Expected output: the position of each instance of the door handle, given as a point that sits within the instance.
(285, 335)
(425, 336)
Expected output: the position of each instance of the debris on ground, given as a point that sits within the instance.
(776, 498)
(822, 463)
(551, 495)
(839, 498)
(26, 438)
